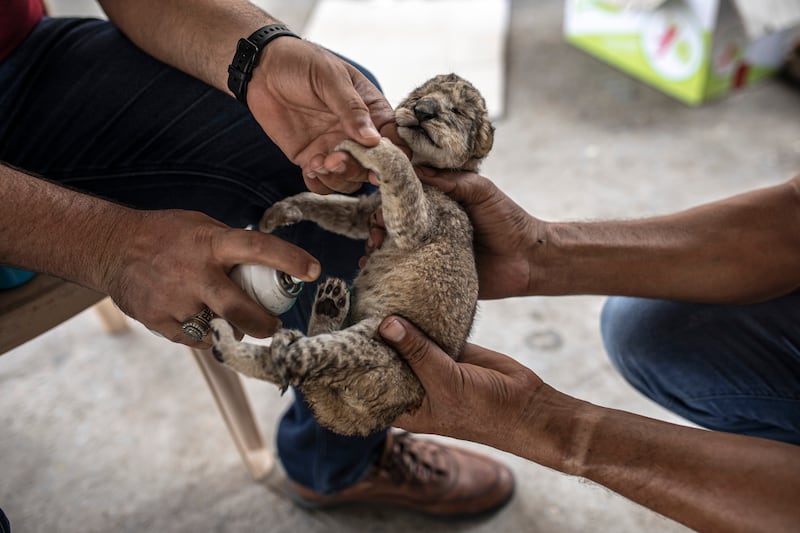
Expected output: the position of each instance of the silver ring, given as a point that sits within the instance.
(196, 327)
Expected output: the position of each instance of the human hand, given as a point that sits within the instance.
(168, 265)
(504, 232)
(308, 100)
(484, 397)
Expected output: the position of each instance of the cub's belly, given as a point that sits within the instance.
(436, 291)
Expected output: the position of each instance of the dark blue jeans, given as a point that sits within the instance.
(81, 105)
(733, 368)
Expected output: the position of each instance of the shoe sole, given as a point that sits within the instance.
(321, 506)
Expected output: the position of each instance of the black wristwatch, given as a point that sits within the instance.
(240, 71)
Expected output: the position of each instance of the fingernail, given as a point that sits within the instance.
(311, 176)
(322, 171)
(368, 131)
(338, 169)
(314, 270)
(393, 330)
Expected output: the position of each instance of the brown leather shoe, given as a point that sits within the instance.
(425, 476)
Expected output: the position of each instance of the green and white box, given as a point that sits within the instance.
(694, 50)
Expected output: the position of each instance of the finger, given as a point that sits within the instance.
(238, 247)
(464, 187)
(340, 184)
(343, 166)
(426, 359)
(375, 239)
(479, 356)
(338, 162)
(313, 184)
(227, 300)
(345, 102)
(390, 132)
(322, 181)
(174, 332)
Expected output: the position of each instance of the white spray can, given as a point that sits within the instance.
(276, 291)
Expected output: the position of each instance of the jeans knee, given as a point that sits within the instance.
(636, 335)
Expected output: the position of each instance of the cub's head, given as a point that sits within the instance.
(445, 124)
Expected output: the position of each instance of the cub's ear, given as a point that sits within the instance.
(484, 139)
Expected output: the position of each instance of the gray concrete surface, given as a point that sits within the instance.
(103, 433)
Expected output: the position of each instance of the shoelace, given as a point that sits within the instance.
(404, 464)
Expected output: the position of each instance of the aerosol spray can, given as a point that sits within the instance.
(273, 289)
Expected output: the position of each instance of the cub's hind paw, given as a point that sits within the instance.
(223, 338)
(280, 214)
(287, 366)
(331, 305)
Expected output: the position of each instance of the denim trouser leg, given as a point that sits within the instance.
(733, 368)
(81, 105)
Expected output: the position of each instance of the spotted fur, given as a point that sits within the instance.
(424, 271)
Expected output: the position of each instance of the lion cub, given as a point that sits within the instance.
(424, 271)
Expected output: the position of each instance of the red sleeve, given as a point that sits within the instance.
(17, 19)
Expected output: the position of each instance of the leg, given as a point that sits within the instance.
(131, 129)
(109, 120)
(252, 360)
(354, 382)
(270, 363)
(730, 368)
(312, 455)
(345, 215)
(136, 131)
(405, 208)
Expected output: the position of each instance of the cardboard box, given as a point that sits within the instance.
(694, 50)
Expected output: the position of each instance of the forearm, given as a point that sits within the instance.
(54, 230)
(744, 248)
(198, 38)
(709, 481)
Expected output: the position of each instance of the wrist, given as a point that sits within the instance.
(554, 431)
(574, 258)
(113, 240)
(540, 255)
(248, 55)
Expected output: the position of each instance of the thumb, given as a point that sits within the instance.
(347, 104)
(424, 357)
(358, 125)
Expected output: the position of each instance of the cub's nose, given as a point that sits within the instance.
(426, 110)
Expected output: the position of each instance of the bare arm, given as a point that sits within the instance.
(198, 38)
(305, 98)
(707, 480)
(160, 267)
(744, 248)
(740, 249)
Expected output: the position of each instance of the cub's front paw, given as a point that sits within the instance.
(280, 214)
(374, 158)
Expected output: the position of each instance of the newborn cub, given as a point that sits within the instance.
(424, 271)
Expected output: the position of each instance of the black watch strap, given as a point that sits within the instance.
(248, 51)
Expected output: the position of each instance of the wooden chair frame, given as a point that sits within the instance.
(45, 302)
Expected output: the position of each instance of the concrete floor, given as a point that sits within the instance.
(104, 433)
